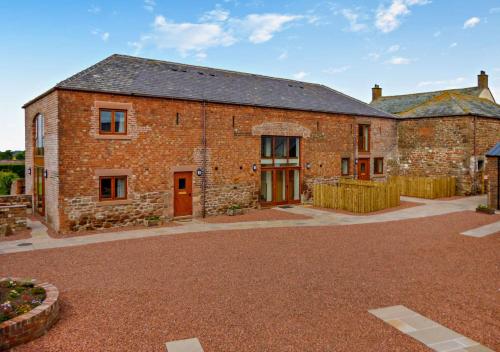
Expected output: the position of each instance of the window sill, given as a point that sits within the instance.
(103, 203)
(111, 136)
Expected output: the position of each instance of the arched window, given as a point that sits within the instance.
(39, 135)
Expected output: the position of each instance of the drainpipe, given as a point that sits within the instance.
(498, 183)
(204, 159)
(475, 185)
(355, 150)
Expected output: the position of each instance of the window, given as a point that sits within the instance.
(112, 121)
(480, 165)
(379, 166)
(280, 151)
(39, 135)
(364, 138)
(113, 187)
(345, 166)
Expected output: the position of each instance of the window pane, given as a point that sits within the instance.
(280, 185)
(266, 147)
(106, 121)
(182, 183)
(266, 186)
(365, 137)
(293, 147)
(363, 168)
(345, 166)
(120, 190)
(294, 185)
(119, 122)
(106, 188)
(379, 166)
(279, 147)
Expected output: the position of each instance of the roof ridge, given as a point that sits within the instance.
(422, 93)
(457, 101)
(356, 100)
(214, 69)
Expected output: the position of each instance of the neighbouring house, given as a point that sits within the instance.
(445, 132)
(493, 174)
(132, 137)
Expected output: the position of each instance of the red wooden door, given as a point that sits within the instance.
(364, 169)
(183, 188)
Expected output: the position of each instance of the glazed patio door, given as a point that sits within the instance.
(280, 186)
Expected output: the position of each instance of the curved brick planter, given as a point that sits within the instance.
(35, 323)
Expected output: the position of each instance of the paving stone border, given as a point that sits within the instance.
(188, 345)
(433, 335)
(35, 323)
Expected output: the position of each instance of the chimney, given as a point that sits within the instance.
(377, 92)
(482, 80)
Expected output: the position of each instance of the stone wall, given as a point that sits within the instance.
(12, 218)
(87, 213)
(445, 146)
(19, 199)
(492, 173)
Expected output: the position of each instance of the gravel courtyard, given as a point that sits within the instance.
(285, 289)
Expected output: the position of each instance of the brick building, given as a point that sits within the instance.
(493, 174)
(445, 132)
(132, 137)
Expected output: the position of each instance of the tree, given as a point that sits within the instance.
(6, 155)
(6, 179)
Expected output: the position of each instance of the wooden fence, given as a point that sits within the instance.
(357, 196)
(426, 187)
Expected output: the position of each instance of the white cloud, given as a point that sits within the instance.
(216, 15)
(388, 18)
(149, 5)
(448, 84)
(453, 45)
(94, 9)
(399, 61)
(374, 56)
(472, 22)
(300, 75)
(495, 10)
(437, 34)
(283, 55)
(186, 37)
(336, 70)
(103, 35)
(215, 28)
(262, 27)
(353, 18)
(393, 48)
(201, 55)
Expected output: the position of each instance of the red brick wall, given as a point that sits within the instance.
(48, 106)
(156, 146)
(492, 173)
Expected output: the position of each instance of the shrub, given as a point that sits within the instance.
(6, 179)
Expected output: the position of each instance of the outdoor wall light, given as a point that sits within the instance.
(308, 166)
(199, 171)
(46, 173)
(254, 167)
(29, 171)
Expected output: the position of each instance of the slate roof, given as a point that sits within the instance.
(495, 151)
(453, 102)
(144, 77)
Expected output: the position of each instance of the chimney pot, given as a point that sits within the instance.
(482, 80)
(376, 92)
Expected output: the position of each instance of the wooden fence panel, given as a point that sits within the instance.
(426, 187)
(357, 196)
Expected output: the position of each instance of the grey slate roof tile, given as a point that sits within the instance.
(132, 75)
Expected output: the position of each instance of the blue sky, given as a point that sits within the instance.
(403, 45)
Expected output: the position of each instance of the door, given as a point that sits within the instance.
(280, 186)
(364, 169)
(183, 188)
(39, 191)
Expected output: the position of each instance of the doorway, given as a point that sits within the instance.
(364, 169)
(280, 186)
(183, 189)
(39, 190)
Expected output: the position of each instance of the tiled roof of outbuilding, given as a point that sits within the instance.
(451, 102)
(144, 77)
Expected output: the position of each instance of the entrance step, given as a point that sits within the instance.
(187, 218)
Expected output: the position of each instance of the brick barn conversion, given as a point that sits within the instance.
(130, 137)
(445, 132)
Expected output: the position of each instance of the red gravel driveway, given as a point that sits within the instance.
(256, 215)
(290, 289)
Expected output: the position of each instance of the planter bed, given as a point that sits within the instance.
(27, 310)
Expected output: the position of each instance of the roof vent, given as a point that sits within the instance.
(174, 69)
(184, 71)
(212, 75)
(200, 73)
